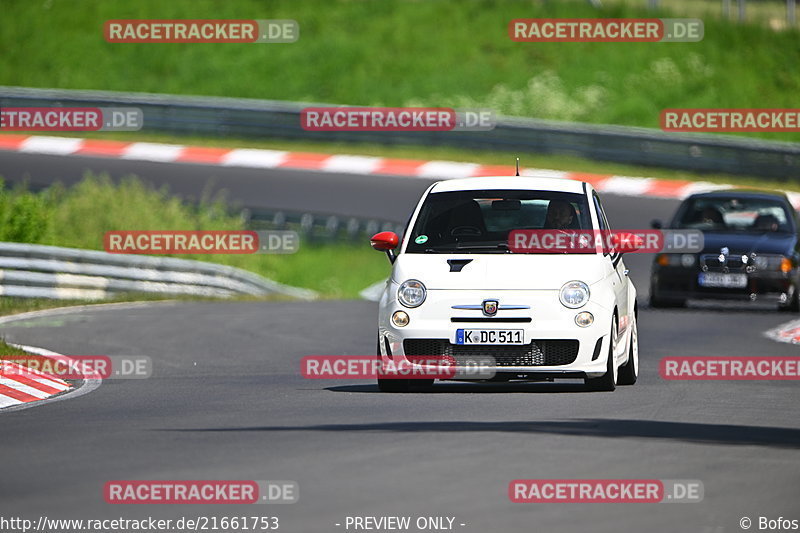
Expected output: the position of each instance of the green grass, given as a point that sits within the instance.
(402, 52)
(6, 350)
(79, 216)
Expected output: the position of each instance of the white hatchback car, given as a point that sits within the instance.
(458, 292)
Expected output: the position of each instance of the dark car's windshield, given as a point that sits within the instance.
(759, 215)
(480, 221)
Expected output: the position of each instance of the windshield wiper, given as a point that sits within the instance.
(501, 247)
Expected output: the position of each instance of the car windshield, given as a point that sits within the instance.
(758, 215)
(480, 221)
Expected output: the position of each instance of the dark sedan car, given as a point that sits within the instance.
(750, 251)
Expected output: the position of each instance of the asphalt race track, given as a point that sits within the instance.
(226, 401)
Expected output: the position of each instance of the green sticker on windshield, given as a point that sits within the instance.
(422, 239)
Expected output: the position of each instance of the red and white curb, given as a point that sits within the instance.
(788, 332)
(22, 387)
(350, 164)
(19, 384)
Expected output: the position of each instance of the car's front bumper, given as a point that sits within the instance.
(556, 347)
(675, 282)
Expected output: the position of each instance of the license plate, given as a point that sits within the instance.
(728, 281)
(490, 336)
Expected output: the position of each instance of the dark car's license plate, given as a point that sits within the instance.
(727, 281)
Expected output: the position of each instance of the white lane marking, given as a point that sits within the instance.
(353, 164)
(12, 368)
(32, 373)
(27, 389)
(7, 401)
(544, 173)
(446, 169)
(625, 186)
(49, 383)
(51, 145)
(703, 186)
(247, 157)
(788, 332)
(153, 152)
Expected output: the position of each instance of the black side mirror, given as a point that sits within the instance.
(656, 224)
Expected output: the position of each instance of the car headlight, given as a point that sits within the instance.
(773, 262)
(411, 293)
(574, 294)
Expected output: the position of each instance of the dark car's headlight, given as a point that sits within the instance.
(684, 260)
(411, 293)
(773, 262)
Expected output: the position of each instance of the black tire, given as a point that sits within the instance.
(392, 385)
(794, 304)
(629, 372)
(657, 302)
(607, 382)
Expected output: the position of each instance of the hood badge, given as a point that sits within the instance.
(490, 307)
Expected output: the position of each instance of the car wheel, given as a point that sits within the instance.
(630, 370)
(392, 385)
(794, 304)
(657, 302)
(608, 381)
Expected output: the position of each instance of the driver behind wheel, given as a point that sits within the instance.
(560, 215)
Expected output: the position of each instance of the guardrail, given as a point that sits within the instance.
(318, 227)
(38, 271)
(238, 117)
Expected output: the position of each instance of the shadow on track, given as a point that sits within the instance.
(474, 388)
(714, 434)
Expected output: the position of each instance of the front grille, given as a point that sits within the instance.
(733, 264)
(537, 353)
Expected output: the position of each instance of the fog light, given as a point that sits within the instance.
(400, 319)
(584, 319)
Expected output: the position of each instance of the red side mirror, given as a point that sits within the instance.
(385, 241)
(626, 242)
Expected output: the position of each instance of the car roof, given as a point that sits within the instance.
(510, 182)
(741, 193)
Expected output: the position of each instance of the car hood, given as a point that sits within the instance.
(746, 243)
(499, 271)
